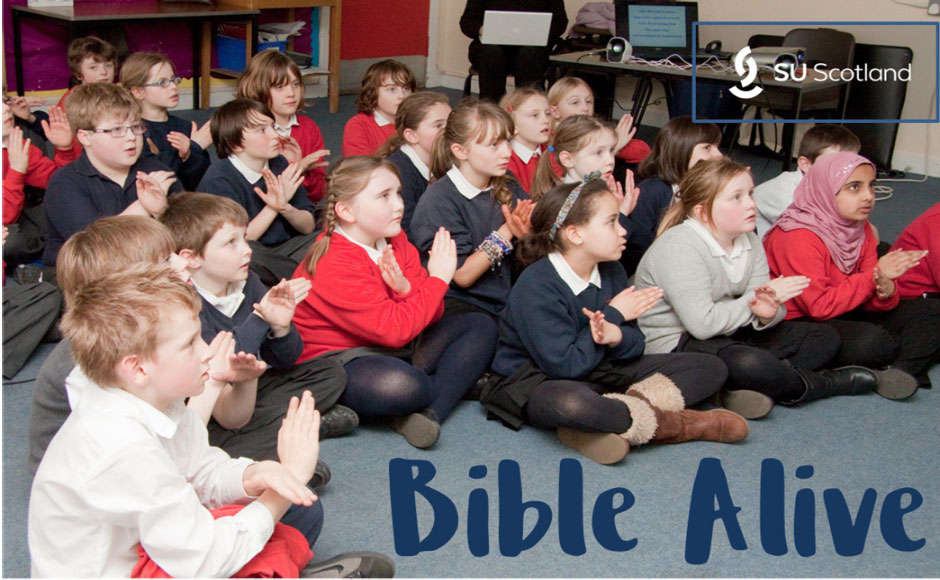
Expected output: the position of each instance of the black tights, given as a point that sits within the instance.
(450, 356)
(764, 360)
(907, 337)
(581, 405)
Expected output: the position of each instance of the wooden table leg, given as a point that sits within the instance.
(335, 26)
(205, 77)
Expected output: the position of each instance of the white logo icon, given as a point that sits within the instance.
(743, 92)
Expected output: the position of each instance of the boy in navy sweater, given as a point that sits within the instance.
(255, 175)
(110, 177)
(210, 234)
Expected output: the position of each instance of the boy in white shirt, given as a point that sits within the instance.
(133, 465)
(776, 195)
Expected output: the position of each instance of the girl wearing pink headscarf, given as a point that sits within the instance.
(825, 236)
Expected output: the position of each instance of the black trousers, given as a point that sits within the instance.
(907, 337)
(324, 378)
(764, 360)
(527, 64)
(29, 312)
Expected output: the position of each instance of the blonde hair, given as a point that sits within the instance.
(398, 73)
(411, 112)
(563, 86)
(572, 135)
(123, 314)
(347, 180)
(135, 72)
(109, 245)
(512, 101)
(268, 69)
(473, 121)
(89, 103)
(700, 186)
(193, 218)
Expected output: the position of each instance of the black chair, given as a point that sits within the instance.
(757, 129)
(882, 99)
(835, 49)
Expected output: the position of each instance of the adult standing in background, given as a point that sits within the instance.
(496, 61)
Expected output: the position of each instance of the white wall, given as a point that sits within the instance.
(448, 64)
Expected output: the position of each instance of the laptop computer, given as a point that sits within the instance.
(516, 28)
(658, 29)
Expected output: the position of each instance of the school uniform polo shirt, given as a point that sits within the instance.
(78, 194)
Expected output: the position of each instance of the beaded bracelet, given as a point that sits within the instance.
(496, 247)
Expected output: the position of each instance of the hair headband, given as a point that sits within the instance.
(569, 203)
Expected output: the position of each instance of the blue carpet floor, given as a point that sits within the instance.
(852, 444)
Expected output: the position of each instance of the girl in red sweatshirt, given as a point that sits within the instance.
(825, 236)
(374, 308)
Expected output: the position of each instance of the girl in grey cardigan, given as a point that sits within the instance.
(719, 299)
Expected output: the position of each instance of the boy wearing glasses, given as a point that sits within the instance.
(254, 174)
(181, 145)
(110, 177)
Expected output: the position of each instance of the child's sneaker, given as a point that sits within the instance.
(351, 565)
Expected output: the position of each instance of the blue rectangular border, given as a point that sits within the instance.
(936, 26)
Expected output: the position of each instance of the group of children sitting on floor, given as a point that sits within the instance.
(484, 252)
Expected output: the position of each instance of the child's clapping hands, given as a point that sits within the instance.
(277, 307)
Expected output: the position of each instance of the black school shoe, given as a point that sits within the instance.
(338, 421)
(351, 565)
(321, 475)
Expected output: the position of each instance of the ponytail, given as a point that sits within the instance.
(572, 135)
(545, 176)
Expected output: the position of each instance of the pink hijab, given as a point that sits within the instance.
(814, 208)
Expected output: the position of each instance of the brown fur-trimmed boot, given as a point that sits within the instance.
(658, 397)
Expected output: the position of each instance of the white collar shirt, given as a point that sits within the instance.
(420, 165)
(375, 254)
(523, 152)
(570, 278)
(228, 304)
(735, 263)
(248, 173)
(466, 189)
(285, 130)
(379, 119)
(120, 472)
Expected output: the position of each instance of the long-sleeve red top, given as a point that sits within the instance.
(350, 305)
(38, 171)
(524, 172)
(363, 136)
(922, 234)
(831, 292)
(310, 139)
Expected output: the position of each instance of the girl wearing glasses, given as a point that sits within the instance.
(384, 86)
(181, 145)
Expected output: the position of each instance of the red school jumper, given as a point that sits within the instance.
(310, 139)
(350, 305)
(922, 234)
(525, 172)
(831, 292)
(363, 136)
(37, 174)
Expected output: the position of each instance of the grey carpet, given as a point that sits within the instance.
(853, 444)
